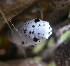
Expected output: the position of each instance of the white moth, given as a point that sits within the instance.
(31, 32)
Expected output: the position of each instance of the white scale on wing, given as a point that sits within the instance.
(31, 32)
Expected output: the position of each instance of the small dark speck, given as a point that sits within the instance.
(25, 31)
(49, 33)
(38, 33)
(49, 27)
(36, 20)
(33, 26)
(43, 34)
(39, 41)
(39, 25)
(29, 36)
(33, 32)
(28, 23)
(29, 32)
(44, 25)
(22, 42)
(35, 39)
(25, 24)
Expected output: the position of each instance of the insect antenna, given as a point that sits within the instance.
(5, 19)
(3, 15)
(41, 11)
(15, 28)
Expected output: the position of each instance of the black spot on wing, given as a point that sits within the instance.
(48, 32)
(33, 26)
(32, 32)
(49, 27)
(29, 36)
(35, 39)
(24, 30)
(28, 23)
(39, 25)
(36, 20)
(38, 33)
(25, 24)
(29, 32)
